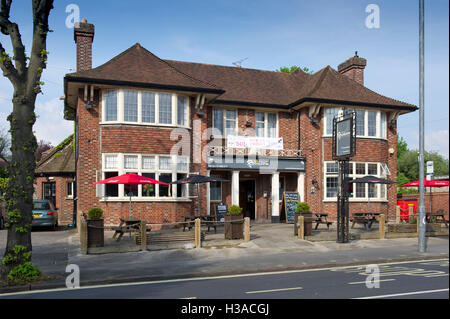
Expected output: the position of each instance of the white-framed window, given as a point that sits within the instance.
(369, 123)
(69, 188)
(110, 105)
(145, 107)
(164, 168)
(360, 191)
(266, 124)
(225, 122)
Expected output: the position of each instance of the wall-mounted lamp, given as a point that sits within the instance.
(88, 105)
(200, 113)
(391, 152)
(248, 124)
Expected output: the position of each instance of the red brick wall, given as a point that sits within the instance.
(95, 140)
(439, 200)
(368, 150)
(141, 139)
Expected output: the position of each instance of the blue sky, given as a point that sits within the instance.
(269, 34)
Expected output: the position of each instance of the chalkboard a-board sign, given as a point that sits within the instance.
(221, 210)
(289, 206)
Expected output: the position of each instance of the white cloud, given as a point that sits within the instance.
(50, 125)
(437, 141)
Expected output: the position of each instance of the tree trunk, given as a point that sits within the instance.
(19, 193)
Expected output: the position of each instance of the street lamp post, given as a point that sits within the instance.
(421, 221)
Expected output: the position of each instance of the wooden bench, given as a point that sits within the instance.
(322, 218)
(158, 237)
(367, 219)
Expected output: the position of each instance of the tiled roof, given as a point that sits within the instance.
(328, 84)
(138, 65)
(247, 85)
(237, 85)
(59, 160)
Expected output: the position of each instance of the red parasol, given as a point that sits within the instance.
(427, 183)
(130, 179)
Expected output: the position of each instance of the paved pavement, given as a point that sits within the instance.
(272, 247)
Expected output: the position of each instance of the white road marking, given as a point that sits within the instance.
(405, 294)
(363, 282)
(272, 290)
(211, 277)
(189, 298)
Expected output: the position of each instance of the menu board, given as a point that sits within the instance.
(221, 210)
(289, 206)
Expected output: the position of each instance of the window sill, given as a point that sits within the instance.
(153, 199)
(361, 137)
(144, 124)
(357, 200)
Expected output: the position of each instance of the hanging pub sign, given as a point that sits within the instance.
(344, 142)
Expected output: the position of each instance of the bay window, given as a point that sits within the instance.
(369, 123)
(361, 191)
(145, 107)
(164, 168)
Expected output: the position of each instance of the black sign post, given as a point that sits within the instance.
(344, 147)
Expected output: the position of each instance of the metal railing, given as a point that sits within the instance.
(224, 150)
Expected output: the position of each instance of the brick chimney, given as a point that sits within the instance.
(84, 36)
(354, 68)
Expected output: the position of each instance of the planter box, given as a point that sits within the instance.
(412, 228)
(308, 223)
(96, 234)
(402, 228)
(234, 227)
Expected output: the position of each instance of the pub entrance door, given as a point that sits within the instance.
(247, 198)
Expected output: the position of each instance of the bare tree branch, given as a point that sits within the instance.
(38, 59)
(12, 29)
(7, 67)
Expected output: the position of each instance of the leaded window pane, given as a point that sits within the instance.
(148, 107)
(165, 108)
(372, 123)
(130, 162)
(148, 162)
(182, 110)
(130, 106)
(110, 105)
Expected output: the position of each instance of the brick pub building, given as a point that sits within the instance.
(266, 132)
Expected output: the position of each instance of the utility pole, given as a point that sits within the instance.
(421, 220)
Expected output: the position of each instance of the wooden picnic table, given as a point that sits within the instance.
(436, 217)
(322, 218)
(208, 218)
(127, 225)
(367, 218)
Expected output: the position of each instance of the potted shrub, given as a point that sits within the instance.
(234, 224)
(303, 209)
(95, 227)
